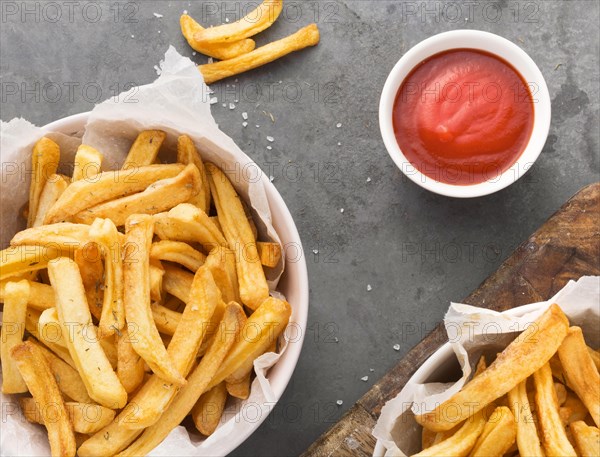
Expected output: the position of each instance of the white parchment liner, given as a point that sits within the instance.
(177, 103)
(471, 332)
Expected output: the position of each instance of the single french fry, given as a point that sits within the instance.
(188, 154)
(144, 149)
(198, 382)
(498, 435)
(561, 392)
(165, 319)
(19, 260)
(82, 341)
(528, 440)
(251, 277)
(209, 408)
(32, 325)
(85, 417)
(595, 355)
(581, 372)
(44, 162)
(178, 252)
(147, 342)
(13, 329)
(42, 385)
(587, 439)
(269, 253)
(262, 328)
(572, 410)
(105, 186)
(67, 378)
(221, 262)
(186, 222)
(130, 366)
(87, 163)
(158, 197)
(221, 51)
(177, 282)
(240, 389)
(554, 438)
(307, 36)
(516, 363)
(156, 275)
(41, 296)
(65, 236)
(51, 329)
(89, 261)
(254, 22)
(53, 189)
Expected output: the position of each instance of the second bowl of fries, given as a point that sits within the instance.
(530, 388)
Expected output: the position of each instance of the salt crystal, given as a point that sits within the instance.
(185, 12)
(280, 82)
(271, 178)
(270, 139)
(245, 115)
(132, 36)
(244, 124)
(269, 147)
(336, 339)
(338, 125)
(339, 144)
(226, 19)
(257, 126)
(396, 347)
(369, 288)
(232, 106)
(158, 15)
(214, 100)
(368, 179)
(224, 105)
(157, 69)
(340, 402)
(315, 251)
(364, 378)
(210, 60)
(341, 210)
(371, 370)
(194, 53)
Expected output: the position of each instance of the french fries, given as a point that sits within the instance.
(130, 366)
(587, 439)
(19, 260)
(305, 37)
(101, 382)
(221, 51)
(498, 434)
(269, 253)
(503, 374)
(221, 262)
(41, 296)
(178, 252)
(580, 371)
(528, 440)
(254, 22)
(147, 342)
(39, 379)
(208, 410)
(87, 163)
(144, 149)
(251, 277)
(13, 328)
(188, 154)
(44, 162)
(240, 389)
(53, 189)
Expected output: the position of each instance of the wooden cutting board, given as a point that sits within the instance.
(566, 247)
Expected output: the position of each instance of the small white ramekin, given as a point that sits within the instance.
(484, 41)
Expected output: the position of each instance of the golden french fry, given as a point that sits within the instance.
(307, 36)
(240, 389)
(572, 410)
(144, 149)
(260, 331)
(188, 154)
(87, 163)
(41, 296)
(19, 260)
(561, 392)
(177, 282)
(498, 435)
(208, 410)
(554, 438)
(463, 440)
(156, 275)
(165, 319)
(13, 329)
(254, 22)
(178, 252)
(32, 325)
(595, 355)
(580, 371)
(158, 197)
(587, 439)
(251, 277)
(221, 51)
(105, 186)
(53, 189)
(269, 253)
(198, 382)
(186, 222)
(85, 417)
(146, 340)
(83, 343)
(50, 328)
(89, 261)
(67, 378)
(528, 440)
(221, 262)
(42, 385)
(516, 363)
(44, 162)
(65, 236)
(130, 366)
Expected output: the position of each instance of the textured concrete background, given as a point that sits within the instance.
(417, 251)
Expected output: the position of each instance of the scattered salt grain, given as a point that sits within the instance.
(214, 100)
(270, 139)
(271, 178)
(132, 36)
(315, 251)
(226, 19)
(396, 347)
(280, 82)
(371, 370)
(338, 125)
(244, 124)
(257, 126)
(364, 378)
(369, 179)
(339, 144)
(194, 53)
(269, 147)
(224, 105)
(245, 115)
(232, 106)
(157, 69)
(185, 12)
(341, 210)
(339, 402)
(369, 288)
(158, 15)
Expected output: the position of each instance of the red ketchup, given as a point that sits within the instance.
(463, 116)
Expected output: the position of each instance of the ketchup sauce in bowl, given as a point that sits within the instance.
(465, 113)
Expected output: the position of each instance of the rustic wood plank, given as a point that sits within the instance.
(566, 247)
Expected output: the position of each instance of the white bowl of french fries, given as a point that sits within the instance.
(535, 392)
(144, 294)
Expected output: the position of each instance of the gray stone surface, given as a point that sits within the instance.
(417, 250)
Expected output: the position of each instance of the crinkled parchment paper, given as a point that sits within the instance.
(177, 102)
(471, 332)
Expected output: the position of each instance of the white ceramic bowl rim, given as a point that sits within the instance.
(468, 39)
(295, 273)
